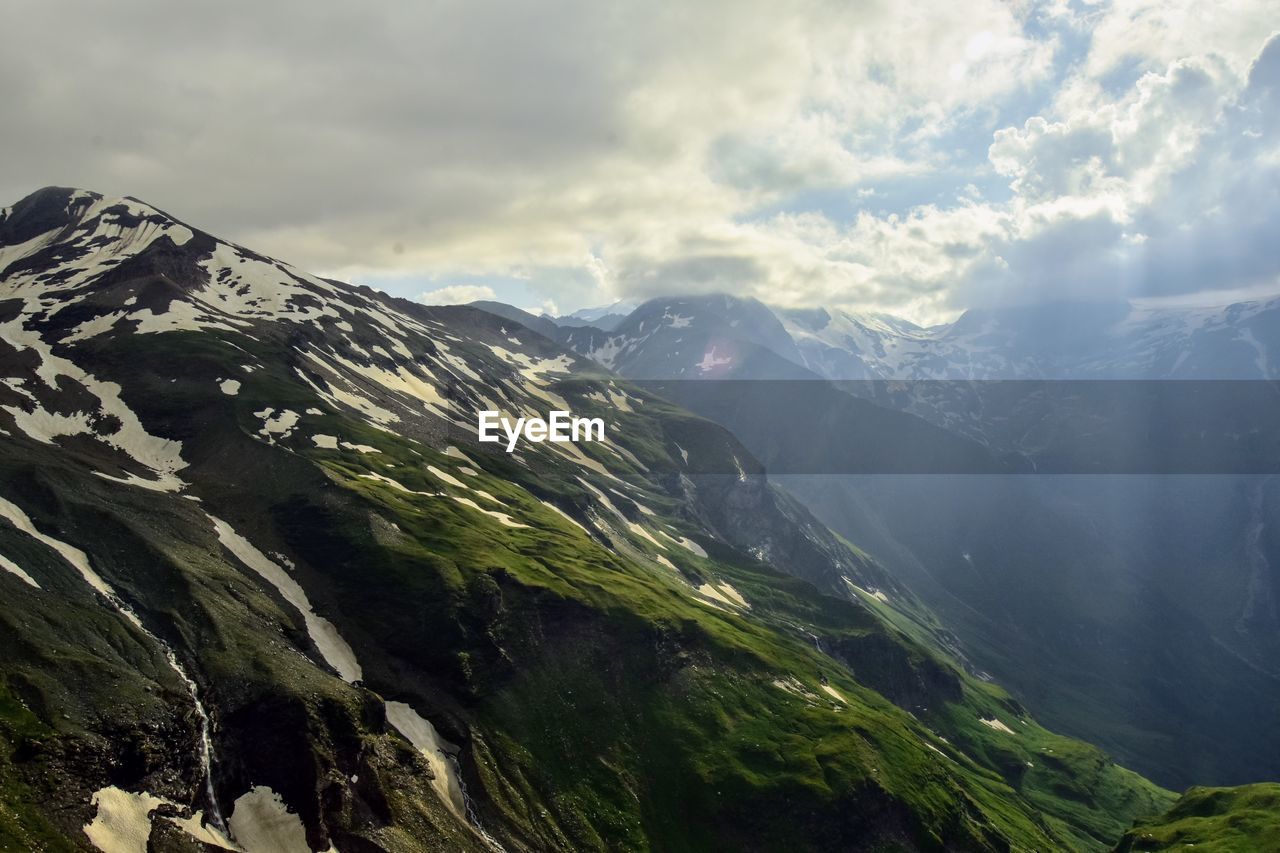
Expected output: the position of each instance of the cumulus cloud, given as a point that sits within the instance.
(547, 307)
(1170, 189)
(457, 294)
(905, 157)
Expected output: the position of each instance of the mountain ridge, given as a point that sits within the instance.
(1082, 623)
(403, 641)
(1051, 340)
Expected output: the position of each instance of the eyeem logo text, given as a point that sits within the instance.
(558, 426)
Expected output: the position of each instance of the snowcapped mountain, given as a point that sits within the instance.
(604, 317)
(708, 337)
(263, 590)
(1050, 341)
(1051, 580)
(1047, 341)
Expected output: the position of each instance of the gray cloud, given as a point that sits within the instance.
(593, 150)
(252, 117)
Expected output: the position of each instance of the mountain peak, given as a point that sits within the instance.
(70, 215)
(42, 211)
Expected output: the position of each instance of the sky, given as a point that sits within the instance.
(913, 158)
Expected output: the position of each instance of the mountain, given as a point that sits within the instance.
(1135, 611)
(544, 326)
(604, 317)
(1215, 819)
(694, 338)
(1137, 607)
(1054, 340)
(605, 323)
(265, 590)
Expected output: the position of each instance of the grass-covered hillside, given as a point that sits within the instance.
(1217, 820)
(263, 590)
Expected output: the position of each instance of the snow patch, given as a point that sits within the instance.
(77, 558)
(834, 694)
(870, 593)
(724, 594)
(447, 478)
(795, 687)
(276, 424)
(260, 821)
(14, 569)
(123, 821)
(645, 535)
(457, 454)
(993, 723)
(734, 595)
(196, 827)
(438, 752)
(501, 517)
(335, 650)
(359, 448)
(710, 362)
(687, 544)
(395, 484)
(161, 456)
(664, 561)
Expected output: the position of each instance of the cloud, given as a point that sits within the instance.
(902, 157)
(1170, 189)
(457, 294)
(1147, 35)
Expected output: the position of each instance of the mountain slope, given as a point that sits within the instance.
(692, 338)
(542, 325)
(263, 589)
(1219, 820)
(1137, 611)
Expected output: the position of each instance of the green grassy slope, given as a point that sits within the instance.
(1217, 820)
(601, 701)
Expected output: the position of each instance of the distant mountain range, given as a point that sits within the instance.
(1045, 341)
(1141, 612)
(605, 317)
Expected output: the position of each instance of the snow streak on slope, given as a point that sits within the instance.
(434, 749)
(80, 561)
(335, 650)
(14, 569)
(338, 653)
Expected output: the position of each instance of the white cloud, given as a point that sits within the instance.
(457, 294)
(1150, 34)
(547, 307)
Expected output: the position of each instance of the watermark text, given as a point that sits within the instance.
(559, 426)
